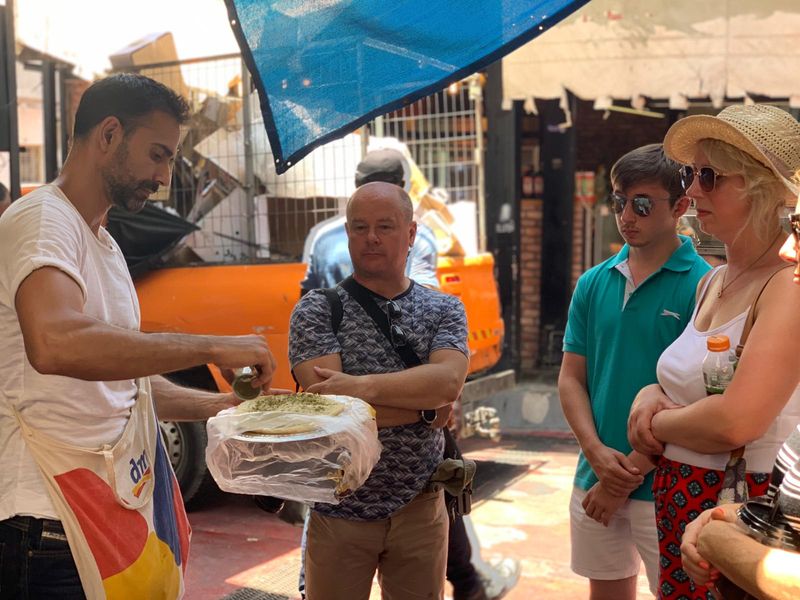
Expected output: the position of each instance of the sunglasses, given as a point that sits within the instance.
(794, 223)
(397, 334)
(642, 205)
(707, 177)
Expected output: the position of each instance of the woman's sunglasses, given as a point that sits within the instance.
(642, 205)
(706, 176)
(794, 223)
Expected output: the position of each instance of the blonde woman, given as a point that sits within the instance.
(713, 545)
(736, 170)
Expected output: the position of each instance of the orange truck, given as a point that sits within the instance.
(233, 299)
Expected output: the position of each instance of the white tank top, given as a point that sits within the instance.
(680, 374)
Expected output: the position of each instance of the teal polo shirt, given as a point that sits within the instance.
(622, 332)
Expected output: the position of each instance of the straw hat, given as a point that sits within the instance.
(767, 133)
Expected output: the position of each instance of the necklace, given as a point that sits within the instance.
(743, 271)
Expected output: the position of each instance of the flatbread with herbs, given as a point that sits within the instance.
(302, 403)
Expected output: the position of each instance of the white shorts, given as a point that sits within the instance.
(614, 552)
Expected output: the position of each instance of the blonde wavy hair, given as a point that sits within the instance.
(765, 193)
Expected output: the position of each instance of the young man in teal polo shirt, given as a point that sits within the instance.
(623, 314)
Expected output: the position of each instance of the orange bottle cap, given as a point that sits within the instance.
(718, 343)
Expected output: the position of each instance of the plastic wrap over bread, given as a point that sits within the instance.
(303, 447)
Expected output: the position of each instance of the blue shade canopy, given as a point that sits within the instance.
(324, 67)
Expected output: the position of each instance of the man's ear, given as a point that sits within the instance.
(412, 233)
(680, 207)
(109, 133)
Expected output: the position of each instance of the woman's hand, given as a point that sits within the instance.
(699, 569)
(649, 401)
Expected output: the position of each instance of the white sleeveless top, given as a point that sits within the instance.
(680, 374)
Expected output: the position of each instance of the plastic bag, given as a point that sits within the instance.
(322, 465)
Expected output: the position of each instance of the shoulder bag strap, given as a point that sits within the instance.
(748, 325)
(751, 314)
(336, 308)
(367, 301)
(336, 319)
(406, 352)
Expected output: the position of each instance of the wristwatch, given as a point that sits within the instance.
(428, 416)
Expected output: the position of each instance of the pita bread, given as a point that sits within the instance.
(302, 403)
(284, 430)
(298, 404)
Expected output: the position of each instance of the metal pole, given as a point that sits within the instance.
(10, 52)
(62, 111)
(364, 139)
(597, 233)
(588, 228)
(476, 94)
(50, 121)
(249, 171)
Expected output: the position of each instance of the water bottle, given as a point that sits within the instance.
(242, 381)
(718, 365)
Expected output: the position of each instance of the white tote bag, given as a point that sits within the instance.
(121, 508)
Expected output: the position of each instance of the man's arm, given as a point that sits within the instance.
(619, 475)
(386, 416)
(177, 403)
(762, 571)
(425, 387)
(61, 340)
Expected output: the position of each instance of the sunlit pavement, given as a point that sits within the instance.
(240, 552)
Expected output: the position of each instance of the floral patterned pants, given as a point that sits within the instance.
(681, 493)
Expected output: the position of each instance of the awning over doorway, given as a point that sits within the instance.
(630, 49)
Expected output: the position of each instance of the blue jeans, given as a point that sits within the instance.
(36, 562)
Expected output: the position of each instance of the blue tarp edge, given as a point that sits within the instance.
(283, 164)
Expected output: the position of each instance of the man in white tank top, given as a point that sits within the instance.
(648, 286)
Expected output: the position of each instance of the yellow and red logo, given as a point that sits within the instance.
(146, 476)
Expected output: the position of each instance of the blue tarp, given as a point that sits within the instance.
(322, 68)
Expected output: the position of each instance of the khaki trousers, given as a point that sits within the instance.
(409, 551)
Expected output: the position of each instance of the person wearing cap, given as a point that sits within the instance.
(325, 250)
(648, 286)
(736, 169)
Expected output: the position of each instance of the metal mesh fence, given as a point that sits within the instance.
(225, 182)
(441, 135)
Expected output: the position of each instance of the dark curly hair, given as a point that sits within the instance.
(129, 97)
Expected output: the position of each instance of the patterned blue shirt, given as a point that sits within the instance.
(432, 321)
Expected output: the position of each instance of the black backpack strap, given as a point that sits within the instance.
(367, 301)
(336, 308)
(336, 319)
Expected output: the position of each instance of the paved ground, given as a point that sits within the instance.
(241, 553)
